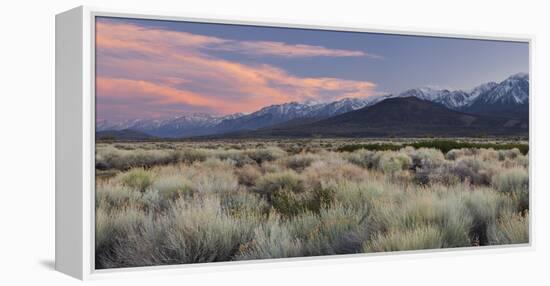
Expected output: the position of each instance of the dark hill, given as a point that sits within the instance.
(402, 117)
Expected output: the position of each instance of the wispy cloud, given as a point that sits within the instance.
(280, 49)
(163, 68)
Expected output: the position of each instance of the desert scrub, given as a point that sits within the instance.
(510, 229)
(265, 154)
(515, 182)
(299, 162)
(363, 158)
(110, 157)
(113, 230)
(512, 181)
(425, 237)
(332, 170)
(172, 186)
(392, 162)
(508, 154)
(288, 203)
(137, 179)
(341, 230)
(473, 170)
(248, 174)
(192, 155)
(425, 158)
(448, 214)
(202, 232)
(271, 183)
(271, 240)
(111, 196)
(246, 200)
(486, 206)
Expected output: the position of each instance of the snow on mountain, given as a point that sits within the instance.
(481, 89)
(279, 113)
(512, 91)
(501, 98)
(451, 99)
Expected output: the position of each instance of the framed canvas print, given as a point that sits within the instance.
(186, 141)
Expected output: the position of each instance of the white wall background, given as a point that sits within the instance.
(27, 145)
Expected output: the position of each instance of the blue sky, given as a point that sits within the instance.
(166, 68)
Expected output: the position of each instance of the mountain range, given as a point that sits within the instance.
(490, 108)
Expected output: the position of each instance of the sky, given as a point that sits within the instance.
(156, 69)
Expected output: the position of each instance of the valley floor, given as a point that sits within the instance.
(160, 203)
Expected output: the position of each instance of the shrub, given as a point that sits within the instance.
(425, 158)
(172, 186)
(473, 170)
(393, 162)
(485, 206)
(244, 203)
(248, 174)
(112, 235)
(112, 196)
(273, 182)
(288, 203)
(122, 159)
(331, 171)
(271, 240)
(363, 158)
(510, 229)
(454, 154)
(192, 155)
(512, 181)
(488, 155)
(426, 237)
(299, 162)
(342, 230)
(509, 154)
(215, 181)
(201, 232)
(137, 179)
(266, 154)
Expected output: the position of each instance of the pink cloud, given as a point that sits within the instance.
(169, 67)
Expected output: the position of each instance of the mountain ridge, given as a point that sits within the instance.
(508, 98)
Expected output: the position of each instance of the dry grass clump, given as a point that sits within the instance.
(511, 229)
(513, 180)
(248, 174)
(172, 203)
(332, 170)
(172, 186)
(424, 237)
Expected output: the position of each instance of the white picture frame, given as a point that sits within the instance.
(75, 142)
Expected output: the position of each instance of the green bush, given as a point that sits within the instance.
(137, 179)
(393, 162)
